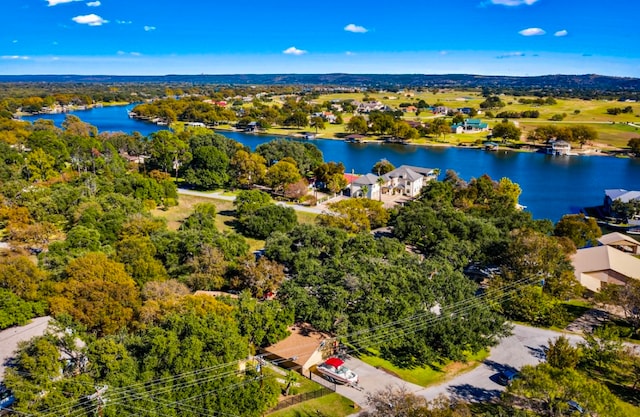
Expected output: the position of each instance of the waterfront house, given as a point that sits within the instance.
(558, 147)
(365, 186)
(599, 266)
(621, 195)
(405, 180)
(470, 126)
(621, 242)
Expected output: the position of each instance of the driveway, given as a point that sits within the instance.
(11, 337)
(523, 347)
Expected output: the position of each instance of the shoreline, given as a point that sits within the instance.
(524, 147)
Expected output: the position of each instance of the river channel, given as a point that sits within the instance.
(551, 185)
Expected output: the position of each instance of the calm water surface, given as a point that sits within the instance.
(551, 186)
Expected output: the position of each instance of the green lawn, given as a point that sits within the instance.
(425, 376)
(225, 215)
(332, 405)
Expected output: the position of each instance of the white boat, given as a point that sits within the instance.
(334, 370)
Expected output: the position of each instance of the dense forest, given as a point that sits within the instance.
(83, 246)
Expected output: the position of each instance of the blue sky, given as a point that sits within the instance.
(157, 37)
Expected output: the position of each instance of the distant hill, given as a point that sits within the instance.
(581, 82)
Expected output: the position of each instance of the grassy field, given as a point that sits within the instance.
(332, 405)
(425, 376)
(225, 216)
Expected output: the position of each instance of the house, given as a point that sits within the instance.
(558, 147)
(407, 180)
(409, 109)
(619, 194)
(470, 126)
(440, 110)
(621, 242)
(303, 348)
(365, 186)
(599, 266)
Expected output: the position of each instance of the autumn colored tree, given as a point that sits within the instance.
(248, 168)
(260, 277)
(282, 174)
(97, 292)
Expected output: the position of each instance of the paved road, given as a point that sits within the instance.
(523, 347)
(220, 196)
(10, 338)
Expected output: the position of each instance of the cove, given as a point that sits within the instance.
(551, 185)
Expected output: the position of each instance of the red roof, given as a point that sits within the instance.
(335, 362)
(351, 178)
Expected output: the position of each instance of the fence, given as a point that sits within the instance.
(300, 398)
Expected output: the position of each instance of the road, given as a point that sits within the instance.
(11, 337)
(523, 347)
(220, 196)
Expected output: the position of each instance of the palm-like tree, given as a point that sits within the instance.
(380, 181)
(365, 190)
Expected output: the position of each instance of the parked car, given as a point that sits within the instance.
(574, 406)
(506, 377)
(6, 398)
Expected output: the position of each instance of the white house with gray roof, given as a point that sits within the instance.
(405, 180)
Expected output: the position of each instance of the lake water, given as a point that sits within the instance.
(551, 186)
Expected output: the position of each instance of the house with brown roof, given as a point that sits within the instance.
(303, 348)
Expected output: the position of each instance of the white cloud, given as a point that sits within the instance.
(561, 33)
(14, 41)
(294, 51)
(349, 53)
(94, 4)
(511, 55)
(124, 22)
(121, 53)
(56, 2)
(149, 28)
(532, 32)
(443, 52)
(513, 2)
(355, 28)
(135, 54)
(90, 19)
(15, 57)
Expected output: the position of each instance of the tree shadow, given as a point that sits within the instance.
(538, 352)
(499, 367)
(469, 393)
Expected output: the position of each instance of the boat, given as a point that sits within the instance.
(334, 370)
(634, 231)
(6, 398)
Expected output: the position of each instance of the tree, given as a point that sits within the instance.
(382, 167)
(336, 183)
(355, 215)
(325, 171)
(266, 220)
(506, 131)
(357, 124)
(98, 293)
(318, 123)
(399, 402)
(492, 102)
(583, 134)
(634, 146)
(440, 127)
(209, 168)
(297, 190)
(247, 168)
(260, 277)
(168, 151)
(562, 355)
(298, 119)
(548, 390)
(581, 230)
(282, 174)
(40, 165)
(248, 201)
(627, 297)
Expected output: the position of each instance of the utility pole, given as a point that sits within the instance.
(98, 396)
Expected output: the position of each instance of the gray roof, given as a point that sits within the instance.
(410, 172)
(366, 179)
(622, 195)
